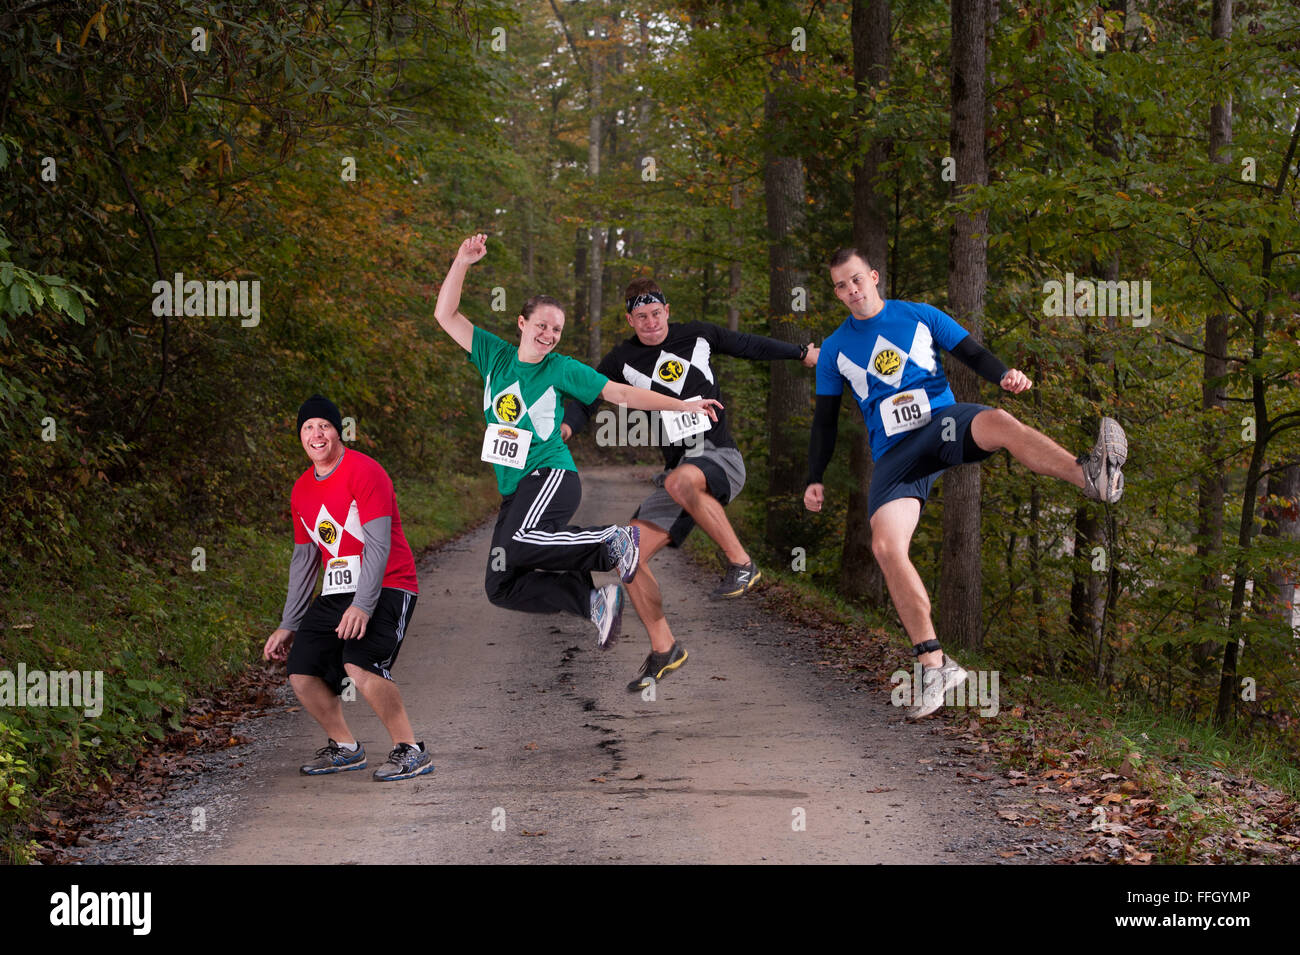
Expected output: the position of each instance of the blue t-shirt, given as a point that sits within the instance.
(892, 363)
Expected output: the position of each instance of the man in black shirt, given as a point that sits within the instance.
(703, 468)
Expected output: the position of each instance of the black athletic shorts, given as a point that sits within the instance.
(318, 651)
(910, 468)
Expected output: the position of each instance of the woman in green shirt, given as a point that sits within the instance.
(525, 387)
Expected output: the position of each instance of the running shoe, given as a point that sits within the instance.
(740, 579)
(1102, 480)
(404, 762)
(625, 551)
(935, 682)
(333, 758)
(657, 666)
(607, 614)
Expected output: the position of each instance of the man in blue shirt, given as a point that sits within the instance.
(888, 354)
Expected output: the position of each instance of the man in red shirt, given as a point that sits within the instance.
(344, 508)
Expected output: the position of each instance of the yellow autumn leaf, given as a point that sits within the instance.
(85, 34)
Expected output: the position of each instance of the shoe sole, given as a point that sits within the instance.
(1114, 449)
(648, 680)
(636, 554)
(423, 770)
(738, 593)
(920, 713)
(616, 626)
(349, 767)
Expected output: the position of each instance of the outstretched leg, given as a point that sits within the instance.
(1098, 474)
(996, 429)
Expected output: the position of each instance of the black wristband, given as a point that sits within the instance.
(928, 646)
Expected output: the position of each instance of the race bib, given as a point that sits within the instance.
(505, 445)
(679, 425)
(342, 574)
(905, 411)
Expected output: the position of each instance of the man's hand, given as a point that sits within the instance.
(472, 249)
(703, 406)
(813, 496)
(810, 359)
(353, 624)
(565, 432)
(1015, 381)
(277, 645)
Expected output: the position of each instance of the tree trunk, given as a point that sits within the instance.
(595, 267)
(788, 395)
(1276, 595)
(960, 618)
(733, 283)
(581, 245)
(1212, 485)
(860, 576)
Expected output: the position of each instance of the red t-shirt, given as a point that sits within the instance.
(330, 514)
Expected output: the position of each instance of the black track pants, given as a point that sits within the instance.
(538, 563)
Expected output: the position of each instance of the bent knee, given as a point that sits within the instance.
(995, 428)
(496, 592)
(887, 550)
(677, 486)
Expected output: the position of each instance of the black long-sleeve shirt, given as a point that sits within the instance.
(680, 366)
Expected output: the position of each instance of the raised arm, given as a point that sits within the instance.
(447, 309)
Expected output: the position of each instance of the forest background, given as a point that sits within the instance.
(335, 154)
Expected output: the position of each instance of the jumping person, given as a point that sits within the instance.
(888, 353)
(703, 468)
(343, 507)
(538, 563)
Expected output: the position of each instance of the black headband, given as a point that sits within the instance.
(645, 298)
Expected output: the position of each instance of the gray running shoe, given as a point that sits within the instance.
(625, 549)
(935, 682)
(332, 758)
(739, 580)
(1102, 480)
(404, 762)
(657, 666)
(607, 614)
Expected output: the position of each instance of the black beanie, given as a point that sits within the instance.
(318, 406)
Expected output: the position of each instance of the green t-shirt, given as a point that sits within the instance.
(530, 397)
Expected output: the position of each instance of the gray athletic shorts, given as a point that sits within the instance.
(724, 474)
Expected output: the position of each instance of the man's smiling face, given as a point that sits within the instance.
(321, 441)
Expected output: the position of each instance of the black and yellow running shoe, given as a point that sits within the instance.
(656, 666)
(740, 579)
